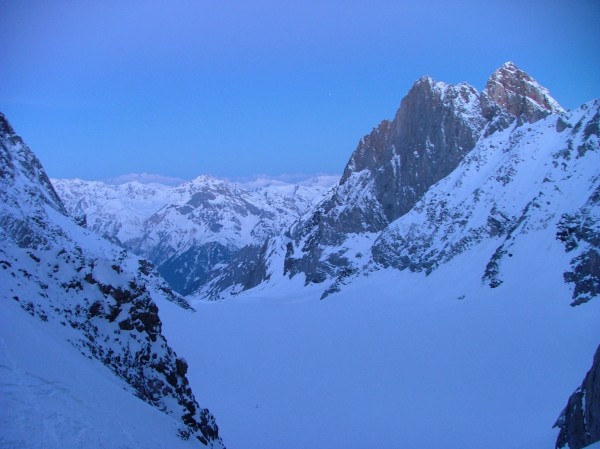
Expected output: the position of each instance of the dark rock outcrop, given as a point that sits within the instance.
(580, 231)
(188, 271)
(579, 422)
(16, 158)
(247, 269)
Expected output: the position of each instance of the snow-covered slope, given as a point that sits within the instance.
(188, 229)
(53, 398)
(73, 286)
(396, 359)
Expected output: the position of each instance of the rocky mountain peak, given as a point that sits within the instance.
(16, 158)
(434, 127)
(515, 92)
(391, 168)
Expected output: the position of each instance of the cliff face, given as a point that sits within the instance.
(579, 422)
(434, 128)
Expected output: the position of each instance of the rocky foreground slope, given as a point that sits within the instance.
(91, 293)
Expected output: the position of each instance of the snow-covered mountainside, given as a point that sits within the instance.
(514, 183)
(189, 229)
(96, 302)
(455, 171)
(458, 263)
(436, 127)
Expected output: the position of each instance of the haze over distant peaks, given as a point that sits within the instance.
(145, 178)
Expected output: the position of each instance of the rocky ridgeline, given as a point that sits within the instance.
(101, 297)
(453, 169)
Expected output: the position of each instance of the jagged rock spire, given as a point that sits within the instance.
(513, 91)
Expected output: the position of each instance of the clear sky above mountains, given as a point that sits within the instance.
(236, 88)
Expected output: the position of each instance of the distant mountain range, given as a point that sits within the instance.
(190, 229)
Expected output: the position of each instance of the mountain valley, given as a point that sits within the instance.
(443, 292)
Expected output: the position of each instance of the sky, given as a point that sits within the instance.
(229, 88)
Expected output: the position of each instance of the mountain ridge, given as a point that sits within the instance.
(96, 296)
(379, 168)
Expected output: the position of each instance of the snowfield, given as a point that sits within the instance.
(396, 359)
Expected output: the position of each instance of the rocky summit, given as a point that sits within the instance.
(434, 130)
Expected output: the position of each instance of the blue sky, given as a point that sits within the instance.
(238, 88)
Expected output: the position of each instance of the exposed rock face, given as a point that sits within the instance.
(515, 92)
(580, 233)
(26, 226)
(188, 271)
(96, 293)
(247, 270)
(16, 159)
(436, 126)
(579, 422)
